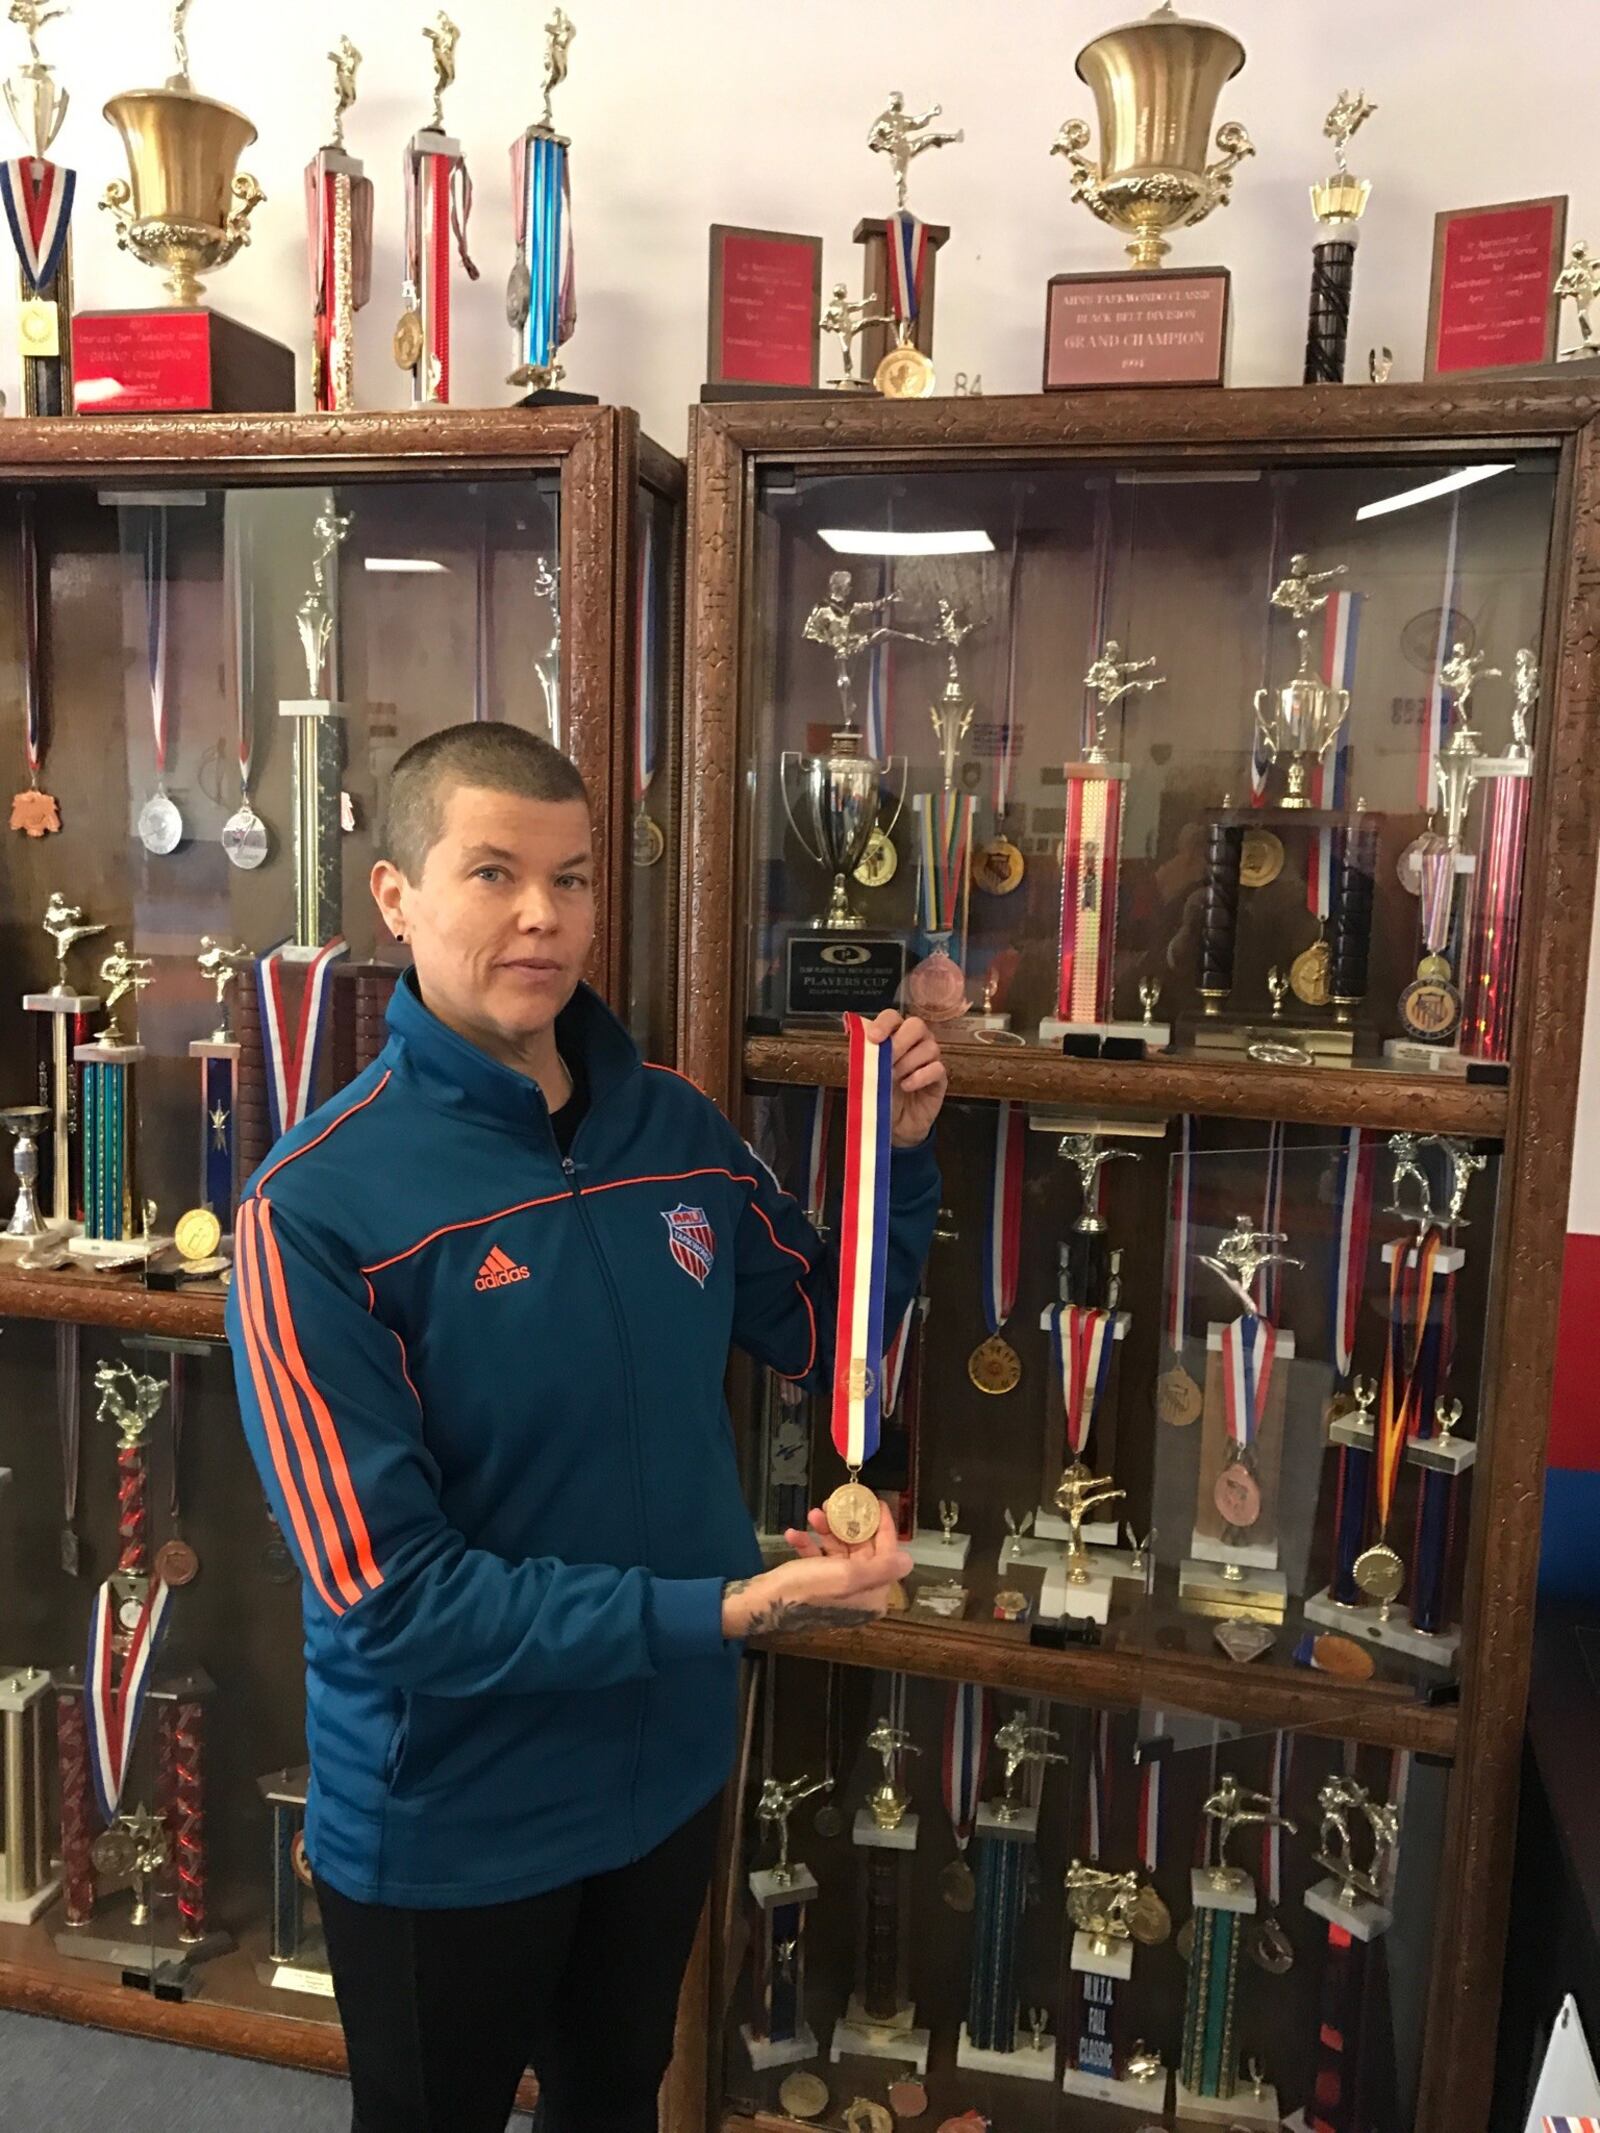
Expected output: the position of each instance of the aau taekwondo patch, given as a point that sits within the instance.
(691, 1240)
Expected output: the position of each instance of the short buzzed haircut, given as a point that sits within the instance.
(495, 757)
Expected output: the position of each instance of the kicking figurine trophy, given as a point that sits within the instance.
(109, 1186)
(71, 1026)
(899, 255)
(994, 2040)
(779, 2034)
(1224, 1895)
(880, 2021)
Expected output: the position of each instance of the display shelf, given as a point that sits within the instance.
(1383, 1101)
(1385, 1713)
(104, 1300)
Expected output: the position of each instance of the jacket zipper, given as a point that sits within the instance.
(570, 1172)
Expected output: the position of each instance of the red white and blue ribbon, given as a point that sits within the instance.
(1272, 1220)
(944, 834)
(1099, 607)
(1179, 1223)
(967, 1726)
(908, 254)
(1082, 1340)
(863, 1249)
(1006, 761)
(647, 703)
(816, 1189)
(38, 203)
(113, 1703)
(1249, 1348)
(1150, 1804)
(1272, 1833)
(238, 579)
(1099, 1803)
(28, 593)
(1353, 1213)
(1437, 723)
(292, 1062)
(1436, 872)
(155, 630)
(1330, 776)
(894, 1360)
(1002, 1237)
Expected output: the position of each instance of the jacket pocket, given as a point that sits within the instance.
(394, 1755)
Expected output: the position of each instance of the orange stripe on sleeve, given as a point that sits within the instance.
(250, 1312)
(332, 1448)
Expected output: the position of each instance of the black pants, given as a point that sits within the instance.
(443, 2010)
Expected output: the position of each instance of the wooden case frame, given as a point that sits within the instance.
(1533, 1115)
(601, 460)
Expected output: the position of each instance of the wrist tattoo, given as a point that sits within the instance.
(780, 1617)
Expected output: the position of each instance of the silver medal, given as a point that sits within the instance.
(519, 293)
(245, 839)
(160, 826)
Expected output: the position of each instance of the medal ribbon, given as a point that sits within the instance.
(944, 831)
(875, 735)
(292, 1068)
(817, 1155)
(1089, 862)
(1002, 1237)
(1436, 868)
(646, 708)
(1178, 1223)
(1099, 1805)
(908, 252)
(894, 1360)
(1272, 1834)
(38, 202)
(1330, 781)
(967, 1725)
(1494, 918)
(1260, 761)
(112, 1708)
(28, 589)
(519, 194)
(1005, 764)
(238, 573)
(1410, 1299)
(1249, 1348)
(155, 630)
(1435, 725)
(1272, 1220)
(1099, 606)
(863, 1248)
(1150, 1804)
(1083, 1341)
(1353, 1199)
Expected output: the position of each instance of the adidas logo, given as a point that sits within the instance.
(498, 1271)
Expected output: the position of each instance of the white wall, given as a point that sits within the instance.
(685, 112)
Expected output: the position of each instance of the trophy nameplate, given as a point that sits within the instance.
(166, 361)
(1168, 327)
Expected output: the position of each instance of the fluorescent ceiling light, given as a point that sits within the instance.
(1463, 478)
(404, 565)
(848, 540)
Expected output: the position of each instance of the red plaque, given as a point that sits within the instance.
(766, 299)
(1165, 328)
(176, 362)
(1490, 306)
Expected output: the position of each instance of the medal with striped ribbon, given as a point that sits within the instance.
(1353, 1200)
(160, 825)
(649, 840)
(852, 1510)
(968, 1722)
(1330, 774)
(291, 1063)
(1249, 1348)
(1379, 1571)
(1082, 1341)
(1178, 1397)
(113, 1702)
(994, 1365)
(1270, 1947)
(1149, 1920)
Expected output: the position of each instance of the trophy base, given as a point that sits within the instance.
(116, 1251)
(1397, 1634)
(1092, 1040)
(1087, 1597)
(308, 1973)
(974, 1028)
(154, 1954)
(1026, 2060)
(23, 1910)
(172, 360)
(830, 974)
(1346, 1430)
(1328, 1043)
(1049, 1525)
(1252, 1596)
(1204, 1894)
(938, 1551)
(1362, 1920)
(553, 396)
(713, 394)
(857, 2036)
(61, 1003)
(865, 1831)
(1147, 2097)
(1419, 1058)
(766, 2052)
(1112, 1959)
(773, 1890)
(1443, 1455)
(1243, 2108)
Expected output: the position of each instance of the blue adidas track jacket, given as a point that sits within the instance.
(484, 1389)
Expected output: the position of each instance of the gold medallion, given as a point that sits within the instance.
(865, 2116)
(39, 327)
(1149, 1920)
(1430, 1009)
(408, 339)
(803, 2095)
(177, 1564)
(1270, 1948)
(998, 867)
(1260, 859)
(1310, 975)
(853, 1513)
(198, 1233)
(1436, 967)
(1178, 1398)
(1185, 1940)
(649, 840)
(1379, 1572)
(1341, 1657)
(879, 862)
(957, 1886)
(905, 374)
(35, 813)
(115, 1854)
(994, 1365)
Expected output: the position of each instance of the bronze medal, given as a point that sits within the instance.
(905, 374)
(994, 1366)
(1379, 1572)
(1178, 1398)
(1270, 1948)
(1260, 859)
(408, 339)
(1341, 1657)
(649, 840)
(998, 867)
(35, 813)
(880, 862)
(853, 1513)
(1149, 1920)
(1237, 1495)
(177, 1564)
(907, 2098)
(803, 2095)
(1185, 1941)
(1310, 975)
(1430, 1009)
(957, 1887)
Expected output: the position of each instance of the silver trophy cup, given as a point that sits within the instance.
(841, 793)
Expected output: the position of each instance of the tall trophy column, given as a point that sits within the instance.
(994, 2040)
(28, 1885)
(898, 262)
(114, 1228)
(880, 2021)
(38, 197)
(1354, 1902)
(218, 1055)
(438, 203)
(1224, 1895)
(778, 2033)
(339, 202)
(1338, 204)
(542, 297)
(70, 1015)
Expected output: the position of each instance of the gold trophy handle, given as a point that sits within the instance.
(1070, 142)
(1264, 723)
(788, 756)
(248, 193)
(899, 798)
(117, 200)
(1235, 145)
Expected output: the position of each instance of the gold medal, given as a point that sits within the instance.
(998, 867)
(1149, 1920)
(1310, 975)
(1185, 1940)
(879, 862)
(1178, 1398)
(957, 1886)
(853, 1513)
(803, 2095)
(1430, 1009)
(1437, 967)
(1379, 1572)
(994, 1366)
(865, 2116)
(649, 840)
(39, 327)
(1260, 859)
(197, 1235)
(35, 813)
(408, 339)
(905, 374)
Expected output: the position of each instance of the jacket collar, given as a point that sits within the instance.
(461, 1076)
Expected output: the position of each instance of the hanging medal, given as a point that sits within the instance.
(1082, 1341)
(291, 1061)
(113, 1702)
(853, 1511)
(994, 1365)
(33, 811)
(177, 1564)
(1178, 1397)
(998, 865)
(1379, 1571)
(160, 824)
(244, 835)
(649, 840)
(1353, 1210)
(69, 1430)
(828, 1821)
(967, 1725)
(1269, 1946)
(1249, 1347)
(1149, 1920)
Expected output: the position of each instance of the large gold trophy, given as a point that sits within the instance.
(1156, 84)
(185, 209)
